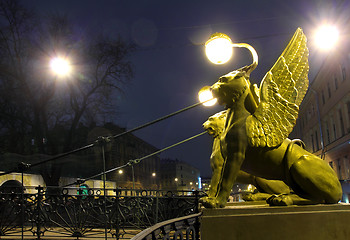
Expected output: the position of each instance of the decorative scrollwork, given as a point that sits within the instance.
(88, 215)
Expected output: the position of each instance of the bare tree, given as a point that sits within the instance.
(34, 103)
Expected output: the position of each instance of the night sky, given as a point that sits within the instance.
(170, 64)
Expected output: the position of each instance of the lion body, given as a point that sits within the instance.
(313, 180)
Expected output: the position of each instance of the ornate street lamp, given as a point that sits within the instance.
(219, 49)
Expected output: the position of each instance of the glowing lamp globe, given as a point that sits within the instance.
(219, 48)
(60, 66)
(206, 97)
(326, 37)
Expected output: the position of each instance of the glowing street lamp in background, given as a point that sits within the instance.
(326, 37)
(60, 66)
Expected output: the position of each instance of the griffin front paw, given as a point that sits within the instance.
(280, 200)
(211, 202)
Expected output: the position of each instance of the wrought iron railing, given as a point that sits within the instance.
(184, 228)
(62, 214)
(119, 215)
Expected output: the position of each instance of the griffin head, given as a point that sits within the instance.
(215, 124)
(231, 86)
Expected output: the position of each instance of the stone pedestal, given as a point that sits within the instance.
(259, 221)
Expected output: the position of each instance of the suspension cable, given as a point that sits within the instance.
(22, 167)
(135, 161)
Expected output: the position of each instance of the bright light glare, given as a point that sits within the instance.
(204, 96)
(326, 37)
(219, 48)
(120, 171)
(60, 66)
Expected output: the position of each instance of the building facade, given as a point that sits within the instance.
(119, 151)
(324, 116)
(179, 176)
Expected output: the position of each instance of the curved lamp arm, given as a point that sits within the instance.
(252, 51)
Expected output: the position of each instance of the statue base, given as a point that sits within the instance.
(257, 220)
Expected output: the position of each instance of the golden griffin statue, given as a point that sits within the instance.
(254, 139)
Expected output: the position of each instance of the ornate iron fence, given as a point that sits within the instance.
(120, 214)
(184, 228)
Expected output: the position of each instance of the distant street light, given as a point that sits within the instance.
(153, 174)
(60, 66)
(120, 171)
(326, 37)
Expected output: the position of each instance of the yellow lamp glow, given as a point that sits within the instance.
(219, 48)
(326, 37)
(60, 66)
(204, 96)
(120, 171)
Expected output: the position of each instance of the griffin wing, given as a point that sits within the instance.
(281, 92)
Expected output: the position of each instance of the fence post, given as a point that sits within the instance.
(157, 207)
(117, 217)
(196, 201)
(38, 211)
(22, 206)
(197, 222)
